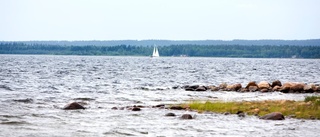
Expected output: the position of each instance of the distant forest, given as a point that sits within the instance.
(247, 51)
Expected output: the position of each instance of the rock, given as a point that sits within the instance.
(186, 116)
(276, 88)
(253, 88)
(73, 106)
(243, 90)
(241, 114)
(264, 90)
(176, 108)
(273, 116)
(223, 86)
(159, 106)
(214, 88)
(264, 85)
(309, 88)
(252, 83)
(136, 109)
(285, 88)
(297, 87)
(276, 83)
(226, 113)
(201, 88)
(27, 100)
(114, 108)
(234, 87)
(170, 115)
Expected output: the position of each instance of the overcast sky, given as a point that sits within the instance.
(159, 19)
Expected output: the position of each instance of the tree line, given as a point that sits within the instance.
(247, 51)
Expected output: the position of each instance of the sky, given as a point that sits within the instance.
(24, 20)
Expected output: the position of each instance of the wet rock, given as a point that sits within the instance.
(176, 108)
(170, 115)
(27, 100)
(73, 106)
(136, 109)
(273, 116)
(159, 106)
(114, 108)
(226, 113)
(252, 83)
(264, 85)
(241, 114)
(276, 83)
(201, 88)
(186, 116)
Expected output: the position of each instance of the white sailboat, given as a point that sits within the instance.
(155, 52)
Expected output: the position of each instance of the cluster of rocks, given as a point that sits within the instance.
(263, 86)
(271, 116)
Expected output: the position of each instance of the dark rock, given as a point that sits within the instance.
(170, 115)
(160, 105)
(241, 114)
(297, 87)
(276, 83)
(273, 116)
(136, 109)
(114, 108)
(28, 100)
(186, 116)
(201, 88)
(73, 105)
(176, 108)
(226, 113)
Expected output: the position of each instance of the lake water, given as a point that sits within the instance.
(34, 88)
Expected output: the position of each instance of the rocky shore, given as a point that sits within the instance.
(263, 86)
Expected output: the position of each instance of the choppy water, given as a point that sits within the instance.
(34, 88)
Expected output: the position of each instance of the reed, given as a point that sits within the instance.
(307, 109)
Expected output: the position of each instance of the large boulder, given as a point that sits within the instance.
(309, 88)
(276, 83)
(297, 87)
(234, 87)
(73, 105)
(264, 85)
(285, 88)
(273, 116)
(252, 83)
(186, 116)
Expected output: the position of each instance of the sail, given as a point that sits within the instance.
(155, 52)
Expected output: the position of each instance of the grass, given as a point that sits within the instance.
(307, 109)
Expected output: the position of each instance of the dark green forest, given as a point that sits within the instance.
(249, 51)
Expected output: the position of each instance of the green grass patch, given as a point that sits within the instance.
(307, 109)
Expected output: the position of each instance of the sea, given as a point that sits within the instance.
(34, 89)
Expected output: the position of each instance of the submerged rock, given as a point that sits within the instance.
(273, 116)
(170, 115)
(136, 109)
(73, 106)
(186, 116)
(27, 100)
